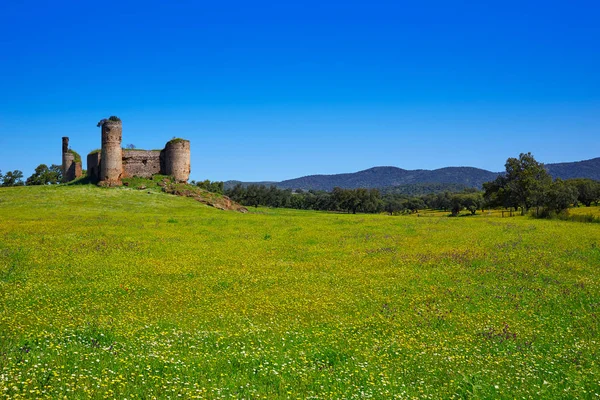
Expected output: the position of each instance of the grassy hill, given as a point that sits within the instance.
(123, 293)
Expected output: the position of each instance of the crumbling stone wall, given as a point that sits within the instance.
(68, 167)
(93, 165)
(142, 163)
(77, 171)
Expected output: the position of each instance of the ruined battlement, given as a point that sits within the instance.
(111, 162)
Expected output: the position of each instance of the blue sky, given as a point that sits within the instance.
(271, 90)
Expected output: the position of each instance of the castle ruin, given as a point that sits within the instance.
(112, 163)
(71, 162)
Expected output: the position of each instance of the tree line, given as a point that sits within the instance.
(11, 178)
(524, 186)
(354, 200)
(346, 200)
(43, 175)
(527, 185)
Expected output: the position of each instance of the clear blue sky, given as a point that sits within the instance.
(272, 90)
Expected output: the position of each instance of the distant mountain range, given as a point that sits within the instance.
(386, 177)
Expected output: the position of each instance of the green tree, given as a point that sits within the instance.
(588, 190)
(443, 201)
(527, 180)
(374, 203)
(340, 199)
(237, 193)
(414, 204)
(456, 204)
(13, 178)
(361, 198)
(523, 185)
(351, 201)
(560, 195)
(273, 199)
(214, 187)
(297, 201)
(495, 193)
(252, 197)
(44, 175)
(472, 202)
(393, 204)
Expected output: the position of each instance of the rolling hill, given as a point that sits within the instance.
(383, 177)
(580, 169)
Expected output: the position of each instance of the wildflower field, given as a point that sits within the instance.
(118, 293)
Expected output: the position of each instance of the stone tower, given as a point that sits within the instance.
(111, 164)
(177, 159)
(71, 162)
(67, 158)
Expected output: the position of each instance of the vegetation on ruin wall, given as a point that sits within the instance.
(112, 118)
(136, 149)
(120, 293)
(177, 140)
(77, 157)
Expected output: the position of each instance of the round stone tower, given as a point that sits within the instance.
(111, 160)
(177, 159)
(67, 159)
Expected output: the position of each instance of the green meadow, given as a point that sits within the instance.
(120, 293)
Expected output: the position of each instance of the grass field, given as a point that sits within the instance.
(117, 293)
(586, 211)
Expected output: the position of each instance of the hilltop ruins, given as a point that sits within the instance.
(111, 163)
